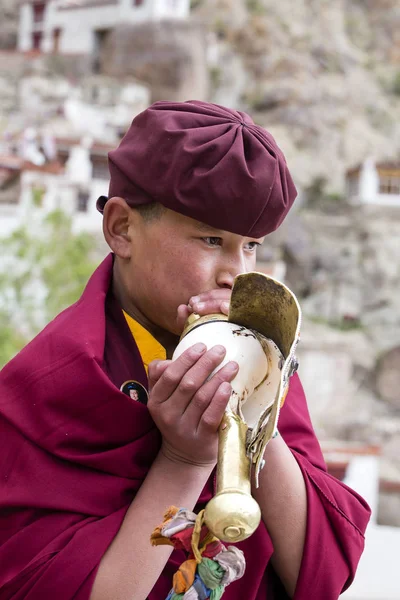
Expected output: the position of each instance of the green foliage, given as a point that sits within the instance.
(255, 7)
(37, 196)
(11, 340)
(215, 77)
(195, 4)
(220, 28)
(40, 276)
(342, 324)
(396, 84)
(318, 197)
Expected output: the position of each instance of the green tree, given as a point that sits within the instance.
(11, 341)
(43, 269)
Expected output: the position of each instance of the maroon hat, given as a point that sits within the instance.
(204, 161)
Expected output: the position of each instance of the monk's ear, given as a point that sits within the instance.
(116, 226)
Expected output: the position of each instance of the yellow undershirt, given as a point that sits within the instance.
(148, 346)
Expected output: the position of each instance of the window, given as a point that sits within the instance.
(56, 40)
(38, 12)
(352, 185)
(100, 169)
(389, 184)
(101, 48)
(83, 200)
(36, 40)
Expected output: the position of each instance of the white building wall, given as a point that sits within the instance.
(91, 221)
(25, 28)
(78, 25)
(368, 188)
(377, 576)
(383, 200)
(369, 182)
(9, 219)
(60, 193)
(171, 9)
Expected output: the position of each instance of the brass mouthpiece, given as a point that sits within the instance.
(232, 514)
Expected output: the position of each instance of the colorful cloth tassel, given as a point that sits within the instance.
(210, 566)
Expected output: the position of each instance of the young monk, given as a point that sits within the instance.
(87, 467)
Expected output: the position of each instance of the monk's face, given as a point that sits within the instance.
(173, 258)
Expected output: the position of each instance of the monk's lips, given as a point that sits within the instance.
(207, 162)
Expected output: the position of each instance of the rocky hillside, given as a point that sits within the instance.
(323, 76)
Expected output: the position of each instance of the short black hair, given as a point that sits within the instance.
(150, 212)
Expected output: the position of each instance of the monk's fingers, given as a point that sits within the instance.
(212, 297)
(171, 410)
(213, 301)
(212, 416)
(173, 374)
(182, 314)
(156, 369)
(204, 396)
(213, 305)
(222, 292)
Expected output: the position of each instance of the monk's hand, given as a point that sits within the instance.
(213, 301)
(186, 406)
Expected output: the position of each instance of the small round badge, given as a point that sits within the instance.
(135, 390)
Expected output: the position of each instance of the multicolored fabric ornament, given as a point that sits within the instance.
(210, 566)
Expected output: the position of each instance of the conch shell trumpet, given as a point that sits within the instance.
(260, 333)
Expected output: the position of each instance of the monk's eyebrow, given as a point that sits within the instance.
(207, 228)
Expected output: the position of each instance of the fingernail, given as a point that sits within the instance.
(199, 348)
(219, 350)
(225, 387)
(232, 366)
(194, 299)
(225, 306)
(198, 306)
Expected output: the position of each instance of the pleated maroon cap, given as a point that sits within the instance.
(204, 161)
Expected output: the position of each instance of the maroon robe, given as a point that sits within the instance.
(75, 450)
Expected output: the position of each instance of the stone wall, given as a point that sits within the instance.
(350, 343)
(328, 92)
(170, 57)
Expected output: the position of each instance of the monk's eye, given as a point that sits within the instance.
(213, 241)
(252, 246)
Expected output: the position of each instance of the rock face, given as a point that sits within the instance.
(9, 10)
(169, 57)
(346, 267)
(355, 274)
(387, 377)
(322, 76)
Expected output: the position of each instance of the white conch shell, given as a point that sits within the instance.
(254, 387)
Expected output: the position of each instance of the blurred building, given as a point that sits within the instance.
(377, 575)
(83, 26)
(71, 182)
(374, 183)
